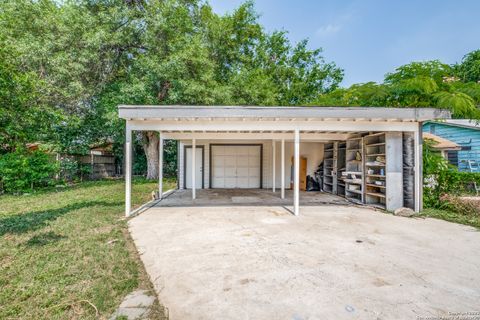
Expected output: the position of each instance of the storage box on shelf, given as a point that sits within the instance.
(353, 175)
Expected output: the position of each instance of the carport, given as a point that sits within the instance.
(367, 155)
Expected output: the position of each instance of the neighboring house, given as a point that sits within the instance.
(441, 144)
(369, 155)
(466, 134)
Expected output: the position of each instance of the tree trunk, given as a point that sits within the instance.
(150, 146)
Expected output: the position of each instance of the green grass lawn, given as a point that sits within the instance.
(65, 253)
(467, 219)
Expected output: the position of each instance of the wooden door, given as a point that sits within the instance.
(303, 173)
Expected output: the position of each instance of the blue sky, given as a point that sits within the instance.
(368, 38)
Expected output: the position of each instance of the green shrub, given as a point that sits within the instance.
(442, 181)
(68, 168)
(23, 170)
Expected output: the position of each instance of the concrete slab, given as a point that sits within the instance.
(246, 197)
(331, 262)
(138, 299)
(135, 306)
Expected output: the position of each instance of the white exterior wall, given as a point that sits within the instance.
(181, 162)
(206, 169)
(313, 151)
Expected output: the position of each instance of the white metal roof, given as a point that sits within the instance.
(179, 112)
(472, 124)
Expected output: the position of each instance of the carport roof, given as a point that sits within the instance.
(153, 112)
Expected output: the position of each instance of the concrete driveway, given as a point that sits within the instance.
(331, 262)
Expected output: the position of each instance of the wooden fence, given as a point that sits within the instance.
(101, 166)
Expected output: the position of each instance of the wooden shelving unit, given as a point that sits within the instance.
(341, 148)
(333, 165)
(384, 170)
(353, 174)
(328, 168)
(375, 165)
(358, 169)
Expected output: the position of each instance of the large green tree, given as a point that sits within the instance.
(193, 56)
(92, 55)
(24, 115)
(469, 68)
(74, 49)
(417, 84)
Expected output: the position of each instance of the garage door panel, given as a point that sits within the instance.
(254, 172)
(243, 172)
(218, 182)
(252, 183)
(230, 172)
(236, 166)
(242, 156)
(243, 182)
(253, 150)
(218, 159)
(219, 150)
(230, 182)
(229, 161)
(253, 161)
(219, 170)
(229, 150)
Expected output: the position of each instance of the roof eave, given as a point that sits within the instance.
(378, 113)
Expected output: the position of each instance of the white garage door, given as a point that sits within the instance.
(236, 166)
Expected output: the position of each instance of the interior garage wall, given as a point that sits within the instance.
(313, 151)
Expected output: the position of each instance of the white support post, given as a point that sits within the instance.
(194, 184)
(273, 165)
(128, 171)
(283, 170)
(160, 167)
(296, 182)
(418, 142)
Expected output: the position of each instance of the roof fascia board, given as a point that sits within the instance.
(281, 125)
(453, 124)
(162, 112)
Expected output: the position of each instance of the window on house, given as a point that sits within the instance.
(452, 156)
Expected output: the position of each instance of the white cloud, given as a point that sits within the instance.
(328, 30)
(340, 21)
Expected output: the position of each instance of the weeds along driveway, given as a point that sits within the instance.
(331, 262)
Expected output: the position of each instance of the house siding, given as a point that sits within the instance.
(465, 137)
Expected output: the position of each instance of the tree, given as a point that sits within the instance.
(73, 49)
(92, 55)
(469, 68)
(461, 104)
(24, 116)
(214, 60)
(434, 70)
(417, 84)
